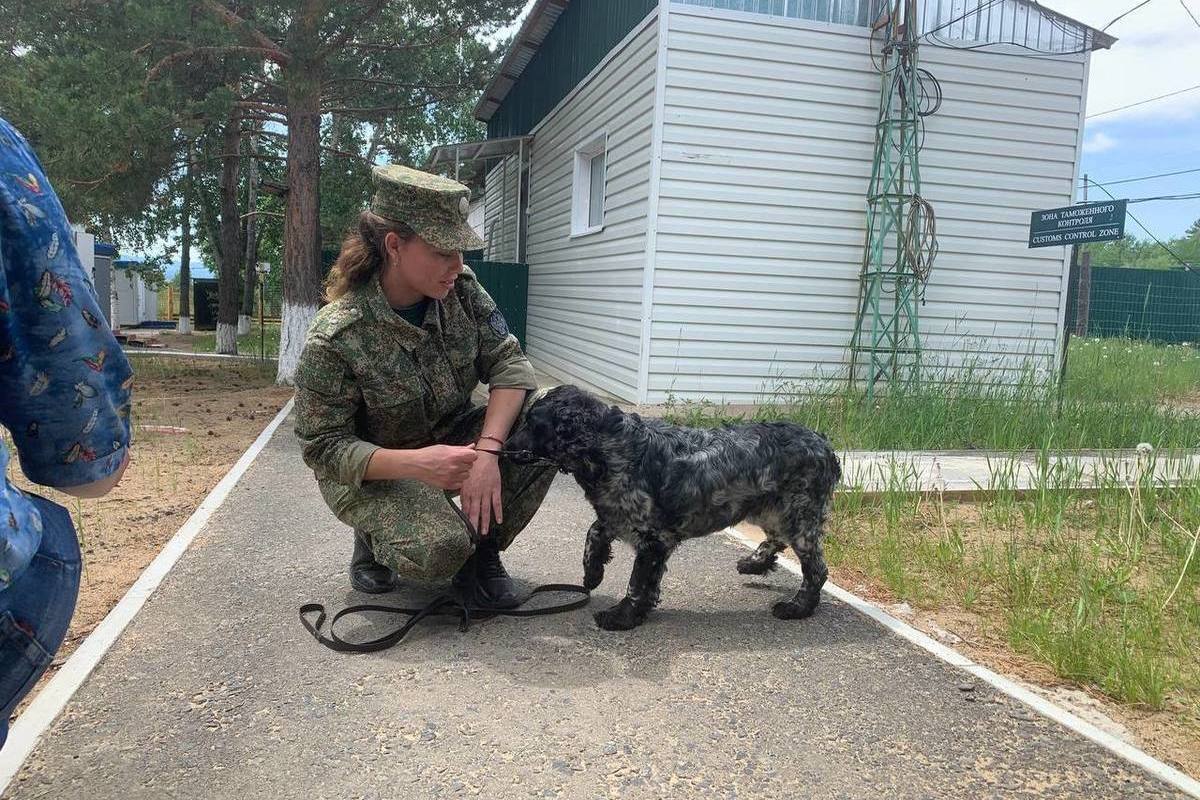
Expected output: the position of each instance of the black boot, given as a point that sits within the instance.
(483, 582)
(366, 574)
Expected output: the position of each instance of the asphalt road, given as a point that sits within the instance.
(216, 691)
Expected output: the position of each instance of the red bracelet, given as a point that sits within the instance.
(493, 438)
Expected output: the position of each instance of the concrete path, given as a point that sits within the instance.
(968, 473)
(215, 690)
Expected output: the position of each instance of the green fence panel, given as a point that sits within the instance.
(1152, 304)
(508, 284)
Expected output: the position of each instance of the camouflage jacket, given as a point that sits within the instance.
(367, 379)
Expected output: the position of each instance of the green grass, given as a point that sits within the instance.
(248, 345)
(1130, 371)
(1117, 394)
(1103, 587)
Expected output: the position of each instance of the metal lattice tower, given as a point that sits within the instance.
(887, 342)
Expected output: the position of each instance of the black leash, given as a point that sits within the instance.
(528, 456)
(444, 605)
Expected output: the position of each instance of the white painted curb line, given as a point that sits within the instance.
(1158, 769)
(53, 697)
(137, 351)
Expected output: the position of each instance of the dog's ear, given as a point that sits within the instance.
(611, 419)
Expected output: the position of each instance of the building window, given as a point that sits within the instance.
(587, 201)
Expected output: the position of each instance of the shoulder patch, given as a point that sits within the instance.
(497, 323)
(335, 319)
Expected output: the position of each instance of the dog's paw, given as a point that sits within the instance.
(621, 617)
(592, 576)
(790, 609)
(753, 565)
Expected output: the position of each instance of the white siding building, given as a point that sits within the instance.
(730, 150)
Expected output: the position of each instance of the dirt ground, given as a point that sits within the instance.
(1159, 733)
(1190, 403)
(177, 341)
(192, 420)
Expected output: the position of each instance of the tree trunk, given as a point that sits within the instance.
(302, 273)
(185, 248)
(231, 251)
(251, 260)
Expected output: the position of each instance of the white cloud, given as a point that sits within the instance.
(1157, 51)
(1098, 142)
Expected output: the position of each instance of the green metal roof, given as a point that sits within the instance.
(561, 41)
(559, 44)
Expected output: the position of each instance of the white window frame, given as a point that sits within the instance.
(581, 189)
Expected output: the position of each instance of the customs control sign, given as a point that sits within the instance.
(1087, 222)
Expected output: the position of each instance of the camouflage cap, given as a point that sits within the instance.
(433, 206)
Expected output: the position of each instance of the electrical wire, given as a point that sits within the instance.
(1192, 196)
(1126, 14)
(881, 23)
(1189, 13)
(1081, 40)
(1158, 241)
(1143, 102)
(930, 100)
(1143, 178)
(983, 6)
(947, 44)
(920, 242)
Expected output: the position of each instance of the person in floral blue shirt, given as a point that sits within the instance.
(64, 398)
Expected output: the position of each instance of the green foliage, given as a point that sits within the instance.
(111, 95)
(73, 80)
(1146, 253)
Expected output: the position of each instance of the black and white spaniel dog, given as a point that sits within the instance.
(654, 485)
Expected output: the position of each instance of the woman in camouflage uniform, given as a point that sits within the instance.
(383, 397)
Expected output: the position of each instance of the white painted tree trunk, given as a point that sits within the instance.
(226, 338)
(114, 299)
(184, 326)
(296, 319)
(243, 324)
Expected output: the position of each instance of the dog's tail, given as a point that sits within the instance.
(832, 462)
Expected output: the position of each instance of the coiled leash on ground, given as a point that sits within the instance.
(444, 605)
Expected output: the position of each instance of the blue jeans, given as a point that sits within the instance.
(36, 609)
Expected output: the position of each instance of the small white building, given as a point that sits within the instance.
(132, 302)
(687, 183)
(96, 257)
(85, 245)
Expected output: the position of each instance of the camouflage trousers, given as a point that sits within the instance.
(410, 526)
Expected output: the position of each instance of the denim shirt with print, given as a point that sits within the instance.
(64, 381)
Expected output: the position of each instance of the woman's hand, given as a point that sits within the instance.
(481, 494)
(447, 467)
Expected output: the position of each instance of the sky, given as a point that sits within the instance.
(1157, 52)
